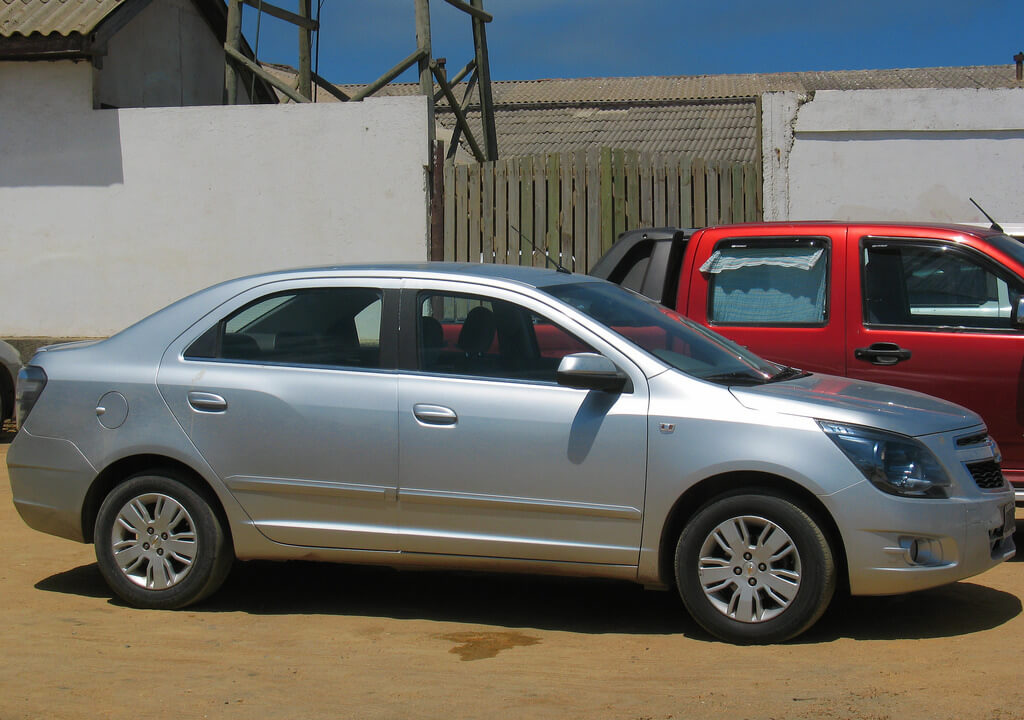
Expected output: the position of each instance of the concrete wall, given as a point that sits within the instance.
(110, 214)
(166, 56)
(896, 155)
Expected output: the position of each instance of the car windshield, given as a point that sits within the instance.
(669, 336)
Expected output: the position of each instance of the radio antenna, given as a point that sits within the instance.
(995, 225)
(558, 266)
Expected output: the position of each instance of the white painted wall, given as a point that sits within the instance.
(914, 154)
(109, 215)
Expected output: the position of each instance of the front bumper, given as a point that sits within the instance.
(897, 545)
(49, 481)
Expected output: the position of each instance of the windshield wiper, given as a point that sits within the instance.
(736, 377)
(788, 373)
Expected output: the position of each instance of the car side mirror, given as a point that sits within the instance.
(1017, 313)
(590, 371)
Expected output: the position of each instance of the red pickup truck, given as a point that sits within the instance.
(933, 308)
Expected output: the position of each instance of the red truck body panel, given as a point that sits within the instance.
(981, 367)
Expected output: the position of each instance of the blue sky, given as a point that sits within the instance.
(531, 39)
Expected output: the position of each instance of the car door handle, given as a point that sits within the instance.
(882, 353)
(434, 414)
(207, 402)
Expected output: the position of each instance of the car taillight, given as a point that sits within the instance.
(31, 381)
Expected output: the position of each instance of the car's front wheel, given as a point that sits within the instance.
(159, 543)
(754, 567)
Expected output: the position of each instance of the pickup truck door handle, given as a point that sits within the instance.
(207, 402)
(434, 414)
(882, 353)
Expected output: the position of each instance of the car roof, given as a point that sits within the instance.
(180, 314)
(981, 231)
(526, 275)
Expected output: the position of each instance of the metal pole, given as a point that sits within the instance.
(233, 40)
(437, 204)
(426, 80)
(483, 73)
(305, 51)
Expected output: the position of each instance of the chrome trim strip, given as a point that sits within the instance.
(565, 507)
(505, 540)
(284, 486)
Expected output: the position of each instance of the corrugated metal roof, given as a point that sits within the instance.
(655, 89)
(53, 17)
(724, 131)
(710, 116)
(643, 89)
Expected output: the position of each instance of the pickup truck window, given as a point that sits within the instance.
(776, 282)
(933, 285)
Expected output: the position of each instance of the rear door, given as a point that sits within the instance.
(780, 291)
(935, 317)
(289, 393)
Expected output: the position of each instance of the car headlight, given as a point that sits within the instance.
(896, 464)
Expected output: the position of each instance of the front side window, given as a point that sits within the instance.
(487, 337)
(781, 282)
(933, 285)
(309, 326)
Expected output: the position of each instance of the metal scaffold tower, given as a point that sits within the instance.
(433, 80)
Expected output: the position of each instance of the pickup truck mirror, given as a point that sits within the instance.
(1017, 313)
(590, 371)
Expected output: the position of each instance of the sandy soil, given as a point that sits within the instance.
(298, 640)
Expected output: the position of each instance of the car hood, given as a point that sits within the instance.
(827, 397)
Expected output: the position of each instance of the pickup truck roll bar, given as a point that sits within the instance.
(641, 258)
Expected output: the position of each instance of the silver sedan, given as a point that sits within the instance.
(498, 418)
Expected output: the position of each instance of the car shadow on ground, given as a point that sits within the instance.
(557, 604)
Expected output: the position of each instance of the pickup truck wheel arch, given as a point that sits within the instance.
(697, 496)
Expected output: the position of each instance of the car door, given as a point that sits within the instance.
(496, 458)
(289, 393)
(780, 295)
(935, 316)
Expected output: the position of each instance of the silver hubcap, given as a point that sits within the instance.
(154, 541)
(749, 569)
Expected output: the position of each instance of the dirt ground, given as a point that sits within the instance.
(298, 640)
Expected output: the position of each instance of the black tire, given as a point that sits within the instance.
(742, 591)
(172, 548)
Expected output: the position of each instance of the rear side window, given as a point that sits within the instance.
(310, 326)
(781, 282)
(933, 285)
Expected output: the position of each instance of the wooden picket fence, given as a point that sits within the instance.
(573, 206)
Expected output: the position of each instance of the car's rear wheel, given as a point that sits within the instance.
(159, 543)
(753, 567)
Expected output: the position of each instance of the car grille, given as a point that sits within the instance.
(987, 475)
